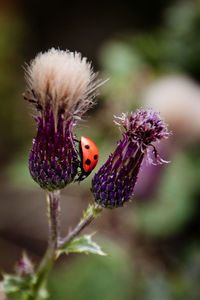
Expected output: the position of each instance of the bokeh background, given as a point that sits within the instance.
(150, 51)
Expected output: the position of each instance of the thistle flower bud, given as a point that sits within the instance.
(114, 183)
(61, 86)
(24, 266)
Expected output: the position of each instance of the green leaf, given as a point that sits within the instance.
(21, 287)
(13, 283)
(83, 244)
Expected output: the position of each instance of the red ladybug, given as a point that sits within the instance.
(89, 154)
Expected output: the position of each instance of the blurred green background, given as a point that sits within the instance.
(150, 51)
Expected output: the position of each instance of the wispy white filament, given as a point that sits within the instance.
(64, 79)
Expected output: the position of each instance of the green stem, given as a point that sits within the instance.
(88, 217)
(53, 204)
(53, 200)
(42, 274)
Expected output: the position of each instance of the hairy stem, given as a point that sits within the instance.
(53, 204)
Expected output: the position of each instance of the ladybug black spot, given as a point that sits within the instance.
(87, 147)
(88, 162)
(95, 156)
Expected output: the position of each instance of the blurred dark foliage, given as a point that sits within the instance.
(174, 46)
(84, 26)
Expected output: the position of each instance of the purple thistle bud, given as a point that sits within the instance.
(114, 183)
(61, 86)
(53, 160)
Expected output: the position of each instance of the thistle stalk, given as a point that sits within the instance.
(53, 204)
(88, 217)
(55, 242)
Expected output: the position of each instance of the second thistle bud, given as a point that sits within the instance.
(114, 183)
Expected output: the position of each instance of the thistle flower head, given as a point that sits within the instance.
(62, 80)
(114, 183)
(61, 86)
(144, 126)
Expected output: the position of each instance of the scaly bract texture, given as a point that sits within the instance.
(113, 184)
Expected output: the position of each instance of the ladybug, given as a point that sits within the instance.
(89, 155)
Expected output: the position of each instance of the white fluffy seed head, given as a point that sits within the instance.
(62, 79)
